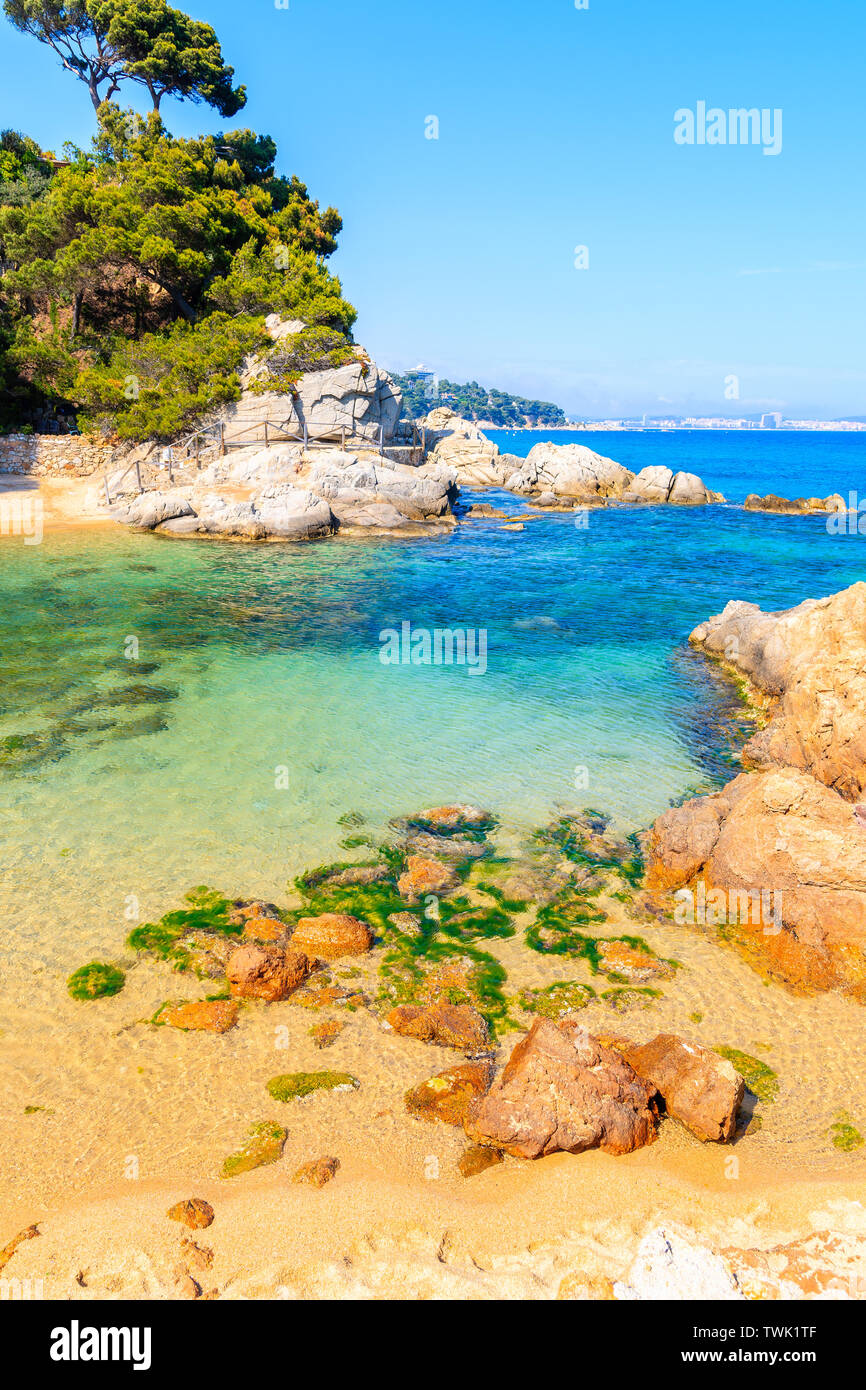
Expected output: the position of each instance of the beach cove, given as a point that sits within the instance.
(131, 781)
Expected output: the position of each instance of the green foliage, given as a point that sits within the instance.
(312, 350)
(475, 402)
(159, 386)
(95, 981)
(108, 42)
(142, 274)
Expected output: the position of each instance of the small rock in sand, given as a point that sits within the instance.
(195, 1212)
(317, 1172)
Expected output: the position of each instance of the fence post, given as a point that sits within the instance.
(222, 439)
(107, 492)
(266, 434)
(138, 474)
(382, 439)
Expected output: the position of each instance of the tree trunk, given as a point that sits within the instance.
(76, 316)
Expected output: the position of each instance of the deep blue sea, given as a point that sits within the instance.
(735, 462)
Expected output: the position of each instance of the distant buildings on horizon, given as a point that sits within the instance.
(772, 421)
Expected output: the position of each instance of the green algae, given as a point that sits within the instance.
(570, 837)
(95, 981)
(265, 1145)
(208, 911)
(558, 1000)
(404, 979)
(38, 1110)
(632, 997)
(761, 1080)
(297, 1085)
(558, 927)
(843, 1134)
(696, 1017)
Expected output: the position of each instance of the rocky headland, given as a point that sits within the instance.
(783, 846)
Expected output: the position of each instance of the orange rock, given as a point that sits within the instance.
(455, 817)
(317, 1172)
(424, 876)
(699, 1088)
(195, 1212)
(205, 1015)
(264, 929)
(323, 1034)
(562, 1091)
(266, 971)
(619, 957)
(477, 1159)
(450, 1025)
(447, 1096)
(332, 935)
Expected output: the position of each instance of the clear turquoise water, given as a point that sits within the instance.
(138, 779)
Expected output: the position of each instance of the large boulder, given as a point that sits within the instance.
(569, 470)
(779, 855)
(561, 1089)
(657, 484)
(473, 458)
(150, 509)
(358, 398)
(352, 486)
(699, 1088)
(814, 658)
(332, 935)
(265, 971)
(778, 860)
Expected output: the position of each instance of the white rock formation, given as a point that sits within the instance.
(660, 485)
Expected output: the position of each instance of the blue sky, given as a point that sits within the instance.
(556, 130)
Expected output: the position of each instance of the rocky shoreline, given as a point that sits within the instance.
(783, 846)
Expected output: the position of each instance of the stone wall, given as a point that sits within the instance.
(46, 455)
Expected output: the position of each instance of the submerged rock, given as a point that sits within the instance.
(264, 1146)
(448, 1095)
(477, 1159)
(206, 1015)
(299, 1084)
(563, 1090)
(423, 876)
(266, 971)
(317, 1172)
(450, 1025)
(332, 935)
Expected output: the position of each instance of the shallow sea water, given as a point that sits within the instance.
(128, 781)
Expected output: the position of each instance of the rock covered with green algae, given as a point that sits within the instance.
(296, 1085)
(760, 1078)
(95, 981)
(264, 1146)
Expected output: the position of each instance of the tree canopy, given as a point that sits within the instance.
(108, 42)
(144, 230)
